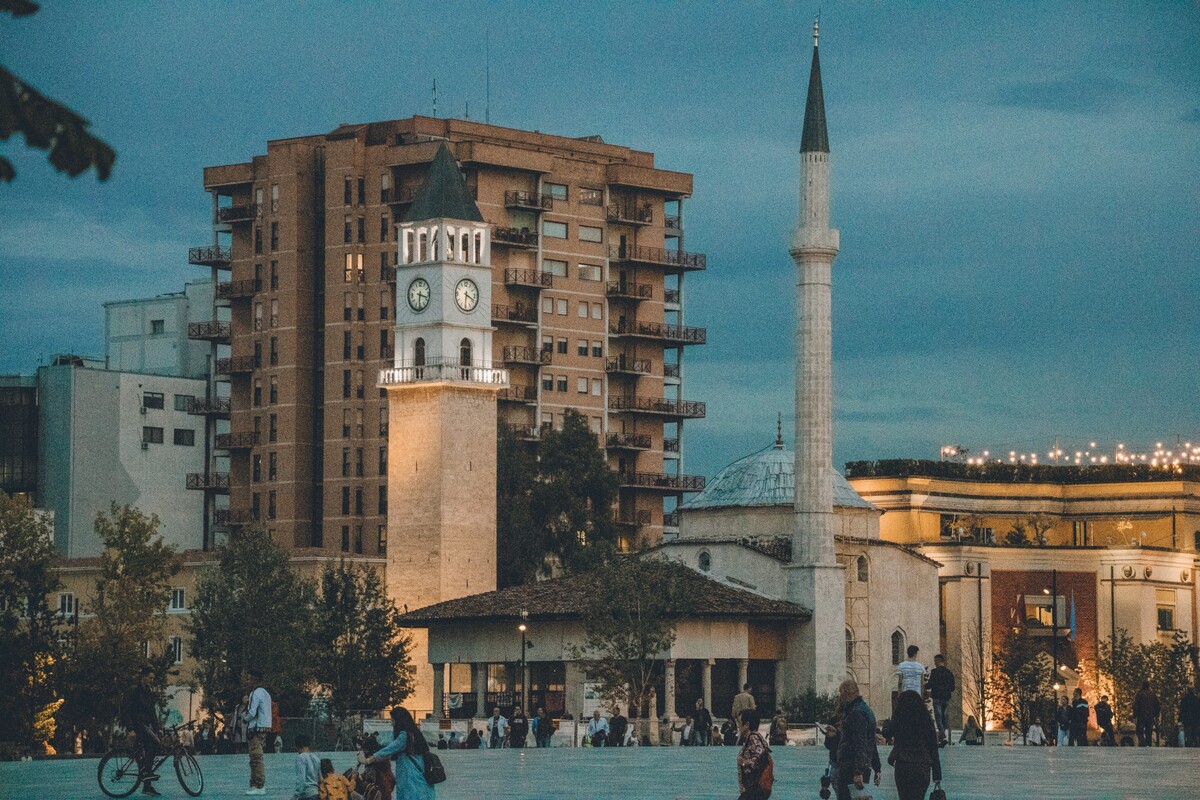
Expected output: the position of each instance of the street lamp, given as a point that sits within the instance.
(524, 684)
(1053, 592)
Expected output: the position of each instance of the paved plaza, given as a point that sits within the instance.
(984, 773)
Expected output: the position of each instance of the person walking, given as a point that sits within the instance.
(141, 717)
(753, 760)
(743, 701)
(543, 728)
(1079, 719)
(941, 686)
(1146, 708)
(971, 733)
(518, 728)
(258, 722)
(618, 725)
(497, 728)
(777, 733)
(915, 752)
(1104, 720)
(857, 750)
(910, 675)
(1035, 735)
(409, 748)
(1189, 717)
(704, 724)
(1062, 717)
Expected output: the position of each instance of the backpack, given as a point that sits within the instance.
(432, 770)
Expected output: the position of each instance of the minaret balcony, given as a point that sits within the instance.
(630, 291)
(661, 481)
(528, 277)
(210, 482)
(215, 407)
(518, 394)
(236, 365)
(243, 440)
(515, 237)
(515, 198)
(514, 315)
(445, 370)
(211, 256)
(231, 290)
(519, 354)
(658, 256)
(677, 334)
(212, 331)
(631, 213)
(628, 441)
(625, 365)
(678, 409)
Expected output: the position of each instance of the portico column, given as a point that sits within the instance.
(779, 687)
(479, 682)
(706, 683)
(743, 673)
(669, 687)
(439, 690)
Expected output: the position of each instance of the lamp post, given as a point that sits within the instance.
(522, 629)
(1053, 591)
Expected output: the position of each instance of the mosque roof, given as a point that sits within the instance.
(766, 478)
(444, 193)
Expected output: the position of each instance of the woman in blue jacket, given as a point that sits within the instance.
(408, 747)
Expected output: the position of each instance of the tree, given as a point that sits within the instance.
(252, 611)
(1018, 534)
(555, 512)
(362, 653)
(127, 625)
(1040, 525)
(27, 642)
(1022, 688)
(47, 125)
(1122, 665)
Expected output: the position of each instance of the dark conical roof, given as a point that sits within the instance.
(444, 193)
(815, 138)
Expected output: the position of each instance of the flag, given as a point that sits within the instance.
(1072, 614)
(1017, 612)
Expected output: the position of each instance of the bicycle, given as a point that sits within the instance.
(120, 776)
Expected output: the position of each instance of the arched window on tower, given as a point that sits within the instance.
(864, 570)
(897, 646)
(464, 352)
(419, 352)
(849, 647)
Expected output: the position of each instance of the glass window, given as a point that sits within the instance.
(597, 349)
(587, 233)
(153, 400)
(897, 647)
(597, 386)
(562, 383)
(705, 561)
(561, 345)
(178, 599)
(591, 197)
(464, 352)
(547, 344)
(274, 196)
(589, 272)
(548, 305)
(560, 305)
(548, 382)
(185, 437)
(597, 311)
(849, 646)
(382, 545)
(554, 230)
(555, 267)
(864, 571)
(152, 435)
(581, 347)
(581, 385)
(158, 326)
(183, 402)
(556, 190)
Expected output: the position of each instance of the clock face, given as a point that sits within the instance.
(418, 294)
(466, 294)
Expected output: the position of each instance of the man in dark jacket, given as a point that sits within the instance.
(1189, 717)
(1145, 711)
(941, 686)
(1104, 718)
(141, 717)
(857, 750)
(617, 726)
(1079, 720)
(704, 723)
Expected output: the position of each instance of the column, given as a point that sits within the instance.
(669, 688)
(743, 673)
(479, 681)
(779, 685)
(439, 690)
(706, 684)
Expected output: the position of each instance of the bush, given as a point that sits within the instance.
(809, 707)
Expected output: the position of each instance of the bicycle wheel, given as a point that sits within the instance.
(118, 773)
(187, 769)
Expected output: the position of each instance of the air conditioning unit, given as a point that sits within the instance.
(145, 445)
(143, 409)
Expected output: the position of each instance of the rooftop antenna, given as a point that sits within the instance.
(487, 71)
(816, 27)
(435, 98)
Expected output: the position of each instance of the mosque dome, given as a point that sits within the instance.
(766, 478)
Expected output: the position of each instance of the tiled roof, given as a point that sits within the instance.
(569, 597)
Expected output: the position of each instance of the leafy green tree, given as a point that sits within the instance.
(1022, 688)
(554, 512)
(127, 625)
(362, 654)
(27, 641)
(45, 124)
(1122, 665)
(252, 611)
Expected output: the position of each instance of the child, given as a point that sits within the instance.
(308, 769)
(334, 786)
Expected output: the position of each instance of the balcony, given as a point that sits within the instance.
(531, 433)
(680, 409)
(518, 394)
(671, 297)
(528, 277)
(445, 370)
(676, 334)
(515, 315)
(387, 274)
(670, 445)
(212, 482)
(400, 196)
(233, 517)
(237, 365)
(215, 407)
(627, 366)
(628, 441)
(671, 519)
(515, 237)
(211, 256)
(673, 225)
(630, 291)
(515, 198)
(660, 256)
(661, 481)
(631, 519)
(213, 331)
(630, 213)
(229, 290)
(243, 440)
(517, 354)
(242, 213)
(671, 372)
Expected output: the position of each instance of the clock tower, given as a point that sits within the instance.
(441, 409)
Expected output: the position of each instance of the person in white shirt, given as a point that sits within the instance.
(597, 729)
(497, 727)
(1035, 735)
(911, 673)
(258, 723)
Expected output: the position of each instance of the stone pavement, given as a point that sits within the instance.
(993, 773)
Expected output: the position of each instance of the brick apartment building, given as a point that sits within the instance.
(588, 306)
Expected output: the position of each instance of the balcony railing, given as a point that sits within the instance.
(243, 288)
(515, 237)
(658, 330)
(515, 198)
(531, 433)
(631, 291)
(440, 371)
(628, 441)
(661, 481)
(684, 409)
(236, 365)
(629, 366)
(233, 517)
(657, 255)
(518, 314)
(670, 445)
(211, 256)
(528, 277)
(631, 519)
(630, 213)
(671, 297)
(213, 481)
(243, 440)
(216, 407)
(386, 351)
(673, 224)
(518, 394)
(387, 274)
(518, 354)
(671, 371)
(213, 331)
(671, 519)
(242, 213)
(400, 196)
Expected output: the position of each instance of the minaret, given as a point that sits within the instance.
(815, 578)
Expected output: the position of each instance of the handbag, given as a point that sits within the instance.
(938, 793)
(766, 778)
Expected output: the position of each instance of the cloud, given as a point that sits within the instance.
(129, 239)
(1072, 95)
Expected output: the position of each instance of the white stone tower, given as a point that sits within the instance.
(815, 579)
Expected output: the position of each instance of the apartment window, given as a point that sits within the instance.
(382, 544)
(258, 202)
(272, 428)
(383, 461)
(591, 197)
(358, 462)
(257, 393)
(562, 383)
(345, 345)
(158, 326)
(183, 402)
(1165, 602)
(385, 181)
(595, 425)
(272, 467)
(345, 500)
(362, 312)
(383, 304)
(581, 385)
(358, 538)
(383, 228)
(384, 345)
(347, 223)
(176, 648)
(358, 268)
(556, 190)
(597, 349)
(274, 197)
(274, 313)
(554, 230)
(274, 236)
(547, 344)
(597, 311)
(358, 386)
(346, 384)
(560, 306)
(345, 462)
(66, 604)
(348, 192)
(383, 421)
(178, 599)
(185, 437)
(555, 267)
(358, 422)
(255, 505)
(548, 305)
(271, 505)
(358, 501)
(274, 395)
(581, 347)
(258, 316)
(348, 275)
(382, 500)
(547, 382)
(257, 239)
(362, 191)
(583, 310)
(256, 468)
(153, 400)
(152, 435)
(345, 423)
(561, 345)
(345, 538)
(362, 229)
(274, 274)
(589, 272)
(274, 356)
(587, 233)
(257, 354)
(597, 386)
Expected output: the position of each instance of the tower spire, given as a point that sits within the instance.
(815, 138)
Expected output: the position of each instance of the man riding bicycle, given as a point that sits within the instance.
(141, 712)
